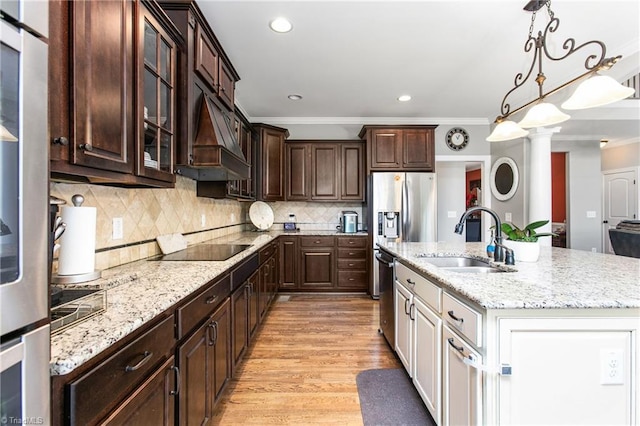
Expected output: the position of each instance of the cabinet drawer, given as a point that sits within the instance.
(352, 264)
(113, 379)
(345, 253)
(267, 251)
(352, 279)
(419, 285)
(310, 241)
(352, 241)
(463, 318)
(199, 308)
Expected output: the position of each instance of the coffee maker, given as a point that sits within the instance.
(349, 222)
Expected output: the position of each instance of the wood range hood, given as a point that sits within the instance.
(216, 154)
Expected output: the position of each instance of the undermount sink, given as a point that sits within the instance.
(454, 261)
(462, 264)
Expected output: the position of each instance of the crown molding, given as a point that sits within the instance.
(374, 120)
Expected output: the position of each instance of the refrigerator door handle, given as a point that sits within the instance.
(405, 208)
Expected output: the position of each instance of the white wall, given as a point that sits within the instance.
(621, 157)
(451, 198)
(517, 205)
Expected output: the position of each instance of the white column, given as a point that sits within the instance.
(540, 178)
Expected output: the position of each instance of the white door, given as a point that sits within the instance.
(620, 195)
(404, 326)
(426, 360)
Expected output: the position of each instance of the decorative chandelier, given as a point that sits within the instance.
(596, 90)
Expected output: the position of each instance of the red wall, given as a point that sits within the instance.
(558, 187)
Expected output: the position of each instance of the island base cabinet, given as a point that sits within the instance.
(462, 383)
(153, 403)
(427, 359)
(404, 327)
(567, 371)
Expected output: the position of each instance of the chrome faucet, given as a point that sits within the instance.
(498, 256)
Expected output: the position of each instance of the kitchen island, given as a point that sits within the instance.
(550, 342)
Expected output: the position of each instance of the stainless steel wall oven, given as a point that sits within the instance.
(24, 316)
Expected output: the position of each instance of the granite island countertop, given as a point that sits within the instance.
(560, 279)
(138, 292)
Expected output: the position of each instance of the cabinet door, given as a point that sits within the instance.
(288, 262)
(316, 268)
(325, 171)
(221, 324)
(156, 100)
(195, 402)
(206, 59)
(385, 149)
(240, 323)
(103, 94)
(297, 169)
(418, 149)
(352, 172)
(427, 338)
(404, 331)
(462, 383)
(567, 371)
(227, 85)
(272, 163)
(254, 303)
(153, 403)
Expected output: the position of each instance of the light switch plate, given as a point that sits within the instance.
(118, 229)
(451, 214)
(591, 214)
(507, 217)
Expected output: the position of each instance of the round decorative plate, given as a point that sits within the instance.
(261, 215)
(457, 138)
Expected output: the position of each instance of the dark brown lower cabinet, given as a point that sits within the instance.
(288, 262)
(240, 313)
(316, 268)
(254, 303)
(204, 360)
(153, 403)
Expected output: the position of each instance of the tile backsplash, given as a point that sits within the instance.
(147, 213)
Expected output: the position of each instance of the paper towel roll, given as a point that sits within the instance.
(78, 243)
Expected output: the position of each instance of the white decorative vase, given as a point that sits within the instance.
(524, 251)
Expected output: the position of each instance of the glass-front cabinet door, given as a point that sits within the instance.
(157, 74)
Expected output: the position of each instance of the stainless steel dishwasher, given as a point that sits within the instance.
(386, 276)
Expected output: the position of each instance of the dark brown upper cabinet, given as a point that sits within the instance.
(269, 162)
(398, 148)
(157, 66)
(324, 171)
(209, 150)
(95, 113)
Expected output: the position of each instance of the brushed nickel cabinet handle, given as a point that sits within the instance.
(460, 320)
(61, 141)
(176, 370)
(146, 357)
(86, 147)
(211, 299)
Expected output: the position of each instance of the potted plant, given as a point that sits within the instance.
(524, 242)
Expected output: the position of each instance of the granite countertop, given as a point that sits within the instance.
(561, 278)
(139, 291)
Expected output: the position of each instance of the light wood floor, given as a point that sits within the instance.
(302, 367)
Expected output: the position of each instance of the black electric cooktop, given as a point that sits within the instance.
(204, 252)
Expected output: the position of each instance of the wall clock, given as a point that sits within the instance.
(457, 138)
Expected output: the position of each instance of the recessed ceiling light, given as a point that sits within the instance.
(281, 25)
(404, 98)
(295, 97)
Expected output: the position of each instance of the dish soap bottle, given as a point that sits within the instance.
(491, 248)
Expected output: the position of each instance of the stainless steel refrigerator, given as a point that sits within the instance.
(401, 207)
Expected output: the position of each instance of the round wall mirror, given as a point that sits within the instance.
(504, 178)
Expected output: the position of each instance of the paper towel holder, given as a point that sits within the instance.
(77, 201)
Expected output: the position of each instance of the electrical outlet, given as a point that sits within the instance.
(203, 220)
(591, 214)
(118, 229)
(451, 214)
(611, 367)
(594, 250)
(507, 217)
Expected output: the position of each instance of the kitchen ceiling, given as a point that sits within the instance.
(350, 60)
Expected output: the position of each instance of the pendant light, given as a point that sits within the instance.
(595, 91)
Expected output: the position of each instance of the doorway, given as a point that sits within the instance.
(559, 199)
